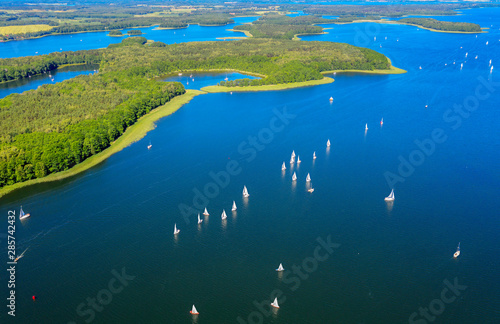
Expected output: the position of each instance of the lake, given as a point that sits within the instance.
(101, 247)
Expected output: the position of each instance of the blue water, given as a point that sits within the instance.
(392, 259)
(54, 76)
(94, 40)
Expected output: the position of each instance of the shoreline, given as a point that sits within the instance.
(133, 134)
(270, 87)
(396, 22)
(147, 122)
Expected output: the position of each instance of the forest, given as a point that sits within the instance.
(442, 25)
(284, 27)
(59, 125)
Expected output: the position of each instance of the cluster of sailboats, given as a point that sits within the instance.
(223, 215)
(292, 162)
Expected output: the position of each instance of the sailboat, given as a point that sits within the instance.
(234, 206)
(199, 219)
(293, 153)
(382, 122)
(223, 216)
(390, 197)
(22, 215)
(206, 212)
(150, 146)
(245, 192)
(275, 303)
(314, 155)
(328, 143)
(331, 98)
(283, 167)
(294, 177)
(194, 311)
(292, 158)
(176, 231)
(280, 268)
(308, 178)
(366, 127)
(20, 256)
(298, 159)
(456, 254)
(310, 189)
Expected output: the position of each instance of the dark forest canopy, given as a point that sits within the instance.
(59, 125)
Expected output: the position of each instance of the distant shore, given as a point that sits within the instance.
(396, 22)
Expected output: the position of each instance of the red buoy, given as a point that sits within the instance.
(33, 297)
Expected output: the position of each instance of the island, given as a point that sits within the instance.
(42, 139)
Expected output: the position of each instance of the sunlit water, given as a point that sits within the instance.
(391, 259)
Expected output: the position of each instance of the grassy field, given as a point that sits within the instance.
(11, 30)
(273, 87)
(133, 134)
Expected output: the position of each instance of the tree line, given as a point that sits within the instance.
(442, 25)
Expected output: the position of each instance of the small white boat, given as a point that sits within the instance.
(223, 216)
(150, 146)
(176, 231)
(292, 158)
(466, 54)
(382, 122)
(420, 67)
(234, 206)
(310, 190)
(298, 159)
(294, 176)
(194, 311)
(275, 303)
(20, 256)
(426, 106)
(199, 219)
(280, 268)
(314, 155)
(491, 70)
(308, 178)
(331, 98)
(490, 62)
(180, 74)
(283, 166)
(245, 192)
(375, 38)
(390, 197)
(293, 153)
(486, 42)
(456, 254)
(461, 66)
(22, 215)
(476, 57)
(366, 126)
(328, 143)
(206, 212)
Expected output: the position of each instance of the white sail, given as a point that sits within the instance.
(275, 303)
(194, 311)
(382, 121)
(298, 159)
(310, 190)
(308, 178)
(328, 143)
(245, 192)
(293, 153)
(292, 158)
(456, 254)
(23, 215)
(176, 231)
(331, 98)
(366, 126)
(234, 206)
(199, 219)
(314, 155)
(283, 166)
(206, 212)
(280, 268)
(294, 177)
(223, 216)
(149, 146)
(390, 197)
